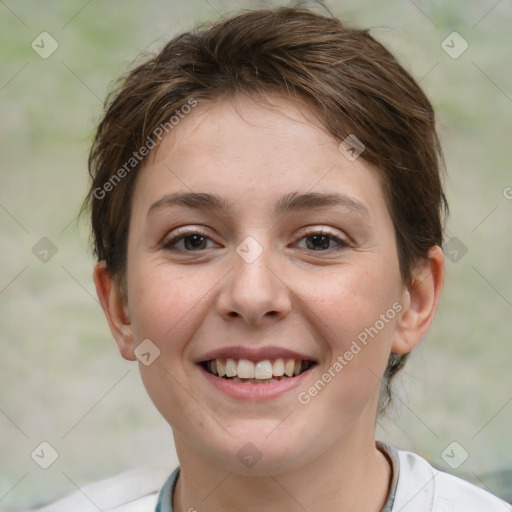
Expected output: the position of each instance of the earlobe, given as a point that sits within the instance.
(115, 309)
(420, 300)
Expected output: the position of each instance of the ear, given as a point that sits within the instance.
(420, 301)
(115, 309)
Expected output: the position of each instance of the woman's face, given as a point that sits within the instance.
(254, 239)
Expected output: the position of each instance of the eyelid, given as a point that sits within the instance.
(187, 230)
(179, 233)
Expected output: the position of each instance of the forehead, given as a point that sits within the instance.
(241, 129)
(241, 149)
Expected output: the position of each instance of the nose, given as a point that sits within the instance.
(254, 291)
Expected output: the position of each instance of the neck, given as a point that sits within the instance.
(354, 475)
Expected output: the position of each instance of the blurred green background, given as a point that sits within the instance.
(62, 379)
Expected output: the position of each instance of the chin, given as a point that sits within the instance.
(258, 448)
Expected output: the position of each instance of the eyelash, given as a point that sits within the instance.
(170, 245)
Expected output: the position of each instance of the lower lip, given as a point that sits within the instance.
(254, 391)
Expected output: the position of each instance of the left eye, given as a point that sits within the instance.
(322, 242)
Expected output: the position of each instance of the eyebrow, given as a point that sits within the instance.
(292, 202)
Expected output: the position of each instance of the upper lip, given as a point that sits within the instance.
(253, 354)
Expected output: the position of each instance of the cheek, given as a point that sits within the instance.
(359, 310)
(168, 308)
(351, 300)
(164, 304)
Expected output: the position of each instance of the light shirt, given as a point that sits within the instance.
(415, 487)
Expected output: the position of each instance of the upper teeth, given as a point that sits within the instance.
(263, 370)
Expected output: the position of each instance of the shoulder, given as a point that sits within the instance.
(135, 490)
(422, 487)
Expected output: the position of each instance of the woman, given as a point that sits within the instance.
(267, 214)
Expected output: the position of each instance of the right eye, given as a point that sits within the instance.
(188, 241)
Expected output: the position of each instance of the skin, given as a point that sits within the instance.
(320, 456)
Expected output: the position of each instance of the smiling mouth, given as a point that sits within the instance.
(259, 372)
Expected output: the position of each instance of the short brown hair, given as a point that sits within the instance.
(354, 84)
